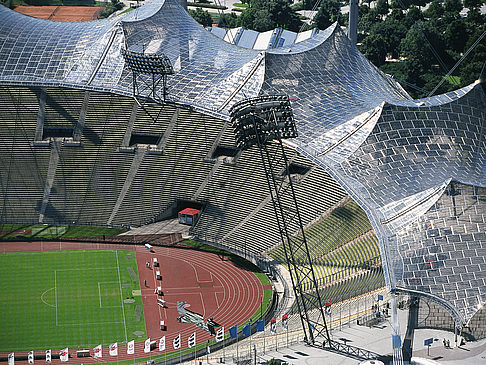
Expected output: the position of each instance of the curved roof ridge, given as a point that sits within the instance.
(144, 12)
(309, 43)
(437, 100)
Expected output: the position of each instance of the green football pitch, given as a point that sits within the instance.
(74, 298)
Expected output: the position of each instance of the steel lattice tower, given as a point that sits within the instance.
(263, 121)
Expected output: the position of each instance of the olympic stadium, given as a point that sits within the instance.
(391, 191)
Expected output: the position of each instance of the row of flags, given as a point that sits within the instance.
(176, 342)
(260, 327)
(63, 355)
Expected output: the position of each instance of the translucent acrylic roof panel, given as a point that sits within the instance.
(247, 38)
(416, 172)
(443, 252)
(329, 83)
(218, 32)
(263, 39)
(201, 61)
(286, 38)
(37, 49)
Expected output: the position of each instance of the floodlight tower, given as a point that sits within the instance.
(156, 65)
(261, 121)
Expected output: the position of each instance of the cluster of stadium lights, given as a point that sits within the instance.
(269, 115)
(147, 63)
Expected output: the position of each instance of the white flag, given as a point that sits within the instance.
(97, 353)
(147, 345)
(64, 354)
(114, 349)
(191, 341)
(177, 342)
(30, 357)
(48, 356)
(162, 344)
(220, 335)
(131, 347)
(11, 358)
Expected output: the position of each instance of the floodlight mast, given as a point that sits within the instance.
(260, 121)
(156, 65)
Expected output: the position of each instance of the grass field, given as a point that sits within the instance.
(75, 298)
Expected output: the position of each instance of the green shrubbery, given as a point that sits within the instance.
(112, 6)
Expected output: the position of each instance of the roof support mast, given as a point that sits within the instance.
(353, 21)
(183, 3)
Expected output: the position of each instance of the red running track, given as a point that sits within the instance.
(211, 285)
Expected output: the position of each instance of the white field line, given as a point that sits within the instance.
(86, 323)
(89, 268)
(55, 290)
(99, 293)
(121, 297)
(43, 301)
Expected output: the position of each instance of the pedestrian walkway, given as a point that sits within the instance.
(376, 339)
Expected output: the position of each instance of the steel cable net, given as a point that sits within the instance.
(420, 176)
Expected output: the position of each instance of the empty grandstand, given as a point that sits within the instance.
(391, 189)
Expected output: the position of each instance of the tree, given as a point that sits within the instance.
(455, 35)
(413, 15)
(382, 7)
(392, 32)
(201, 16)
(374, 48)
(263, 15)
(473, 4)
(328, 13)
(435, 10)
(112, 6)
(228, 20)
(453, 6)
(471, 68)
(366, 21)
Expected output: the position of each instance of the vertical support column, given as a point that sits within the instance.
(396, 337)
(41, 113)
(183, 3)
(78, 129)
(411, 325)
(51, 174)
(132, 172)
(353, 21)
